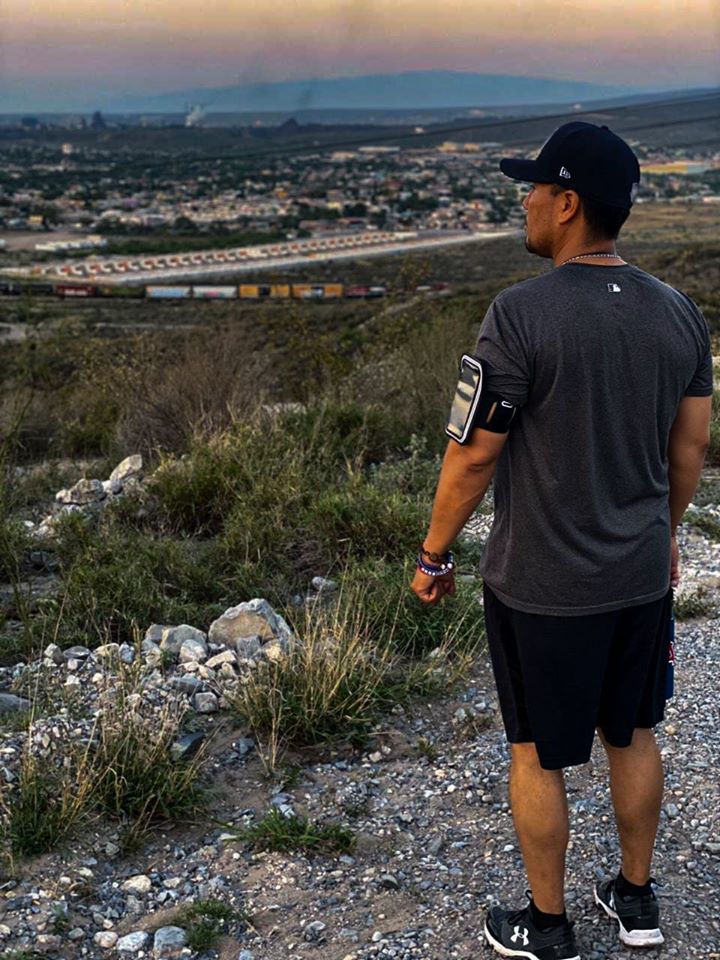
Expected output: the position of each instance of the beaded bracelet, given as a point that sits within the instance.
(432, 571)
(434, 557)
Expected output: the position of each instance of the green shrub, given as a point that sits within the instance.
(692, 603)
(114, 580)
(289, 833)
(206, 920)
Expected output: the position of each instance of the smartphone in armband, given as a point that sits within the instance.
(466, 399)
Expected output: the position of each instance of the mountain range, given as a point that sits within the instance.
(418, 89)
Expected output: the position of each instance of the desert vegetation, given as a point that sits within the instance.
(279, 446)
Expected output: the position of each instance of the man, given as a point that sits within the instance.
(592, 412)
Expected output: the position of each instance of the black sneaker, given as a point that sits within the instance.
(638, 917)
(513, 933)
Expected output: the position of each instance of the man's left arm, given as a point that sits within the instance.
(467, 470)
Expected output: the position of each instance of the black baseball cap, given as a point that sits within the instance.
(592, 160)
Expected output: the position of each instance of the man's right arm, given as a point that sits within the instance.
(687, 445)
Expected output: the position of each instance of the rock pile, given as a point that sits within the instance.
(89, 495)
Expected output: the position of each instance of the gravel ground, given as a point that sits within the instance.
(436, 843)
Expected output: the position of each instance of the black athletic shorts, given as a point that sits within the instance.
(558, 678)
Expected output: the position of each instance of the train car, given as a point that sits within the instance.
(333, 291)
(280, 291)
(201, 292)
(356, 292)
(255, 291)
(303, 291)
(168, 293)
(69, 290)
(121, 292)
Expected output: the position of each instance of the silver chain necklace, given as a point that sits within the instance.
(581, 255)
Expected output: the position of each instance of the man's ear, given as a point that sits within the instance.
(570, 206)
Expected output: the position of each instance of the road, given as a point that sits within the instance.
(261, 258)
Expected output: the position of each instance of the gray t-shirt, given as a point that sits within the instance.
(598, 359)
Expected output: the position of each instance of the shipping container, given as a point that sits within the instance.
(255, 291)
(302, 291)
(333, 291)
(214, 293)
(121, 292)
(356, 292)
(168, 293)
(76, 290)
(376, 292)
(280, 291)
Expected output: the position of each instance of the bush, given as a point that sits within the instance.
(116, 580)
(691, 604)
(351, 662)
(289, 833)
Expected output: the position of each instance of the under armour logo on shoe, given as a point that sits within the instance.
(520, 936)
(564, 172)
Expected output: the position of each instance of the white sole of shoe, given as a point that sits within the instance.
(632, 938)
(508, 952)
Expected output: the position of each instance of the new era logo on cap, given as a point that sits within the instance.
(564, 172)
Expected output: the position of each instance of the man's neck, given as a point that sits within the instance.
(600, 253)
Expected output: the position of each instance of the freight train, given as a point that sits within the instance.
(322, 292)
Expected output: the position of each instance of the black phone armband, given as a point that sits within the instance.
(474, 407)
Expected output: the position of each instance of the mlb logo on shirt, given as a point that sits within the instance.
(614, 288)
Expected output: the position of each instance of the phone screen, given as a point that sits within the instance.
(467, 393)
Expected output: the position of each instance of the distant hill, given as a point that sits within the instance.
(394, 91)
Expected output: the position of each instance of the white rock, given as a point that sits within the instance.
(205, 702)
(112, 487)
(227, 656)
(126, 652)
(174, 637)
(138, 884)
(132, 942)
(83, 492)
(53, 652)
(169, 942)
(254, 618)
(105, 939)
(153, 635)
(129, 467)
(322, 585)
(193, 649)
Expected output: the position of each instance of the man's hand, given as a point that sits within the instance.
(432, 589)
(674, 562)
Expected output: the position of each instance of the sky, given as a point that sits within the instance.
(57, 51)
